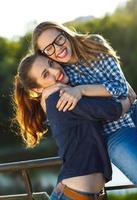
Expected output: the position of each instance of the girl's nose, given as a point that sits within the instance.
(53, 71)
(57, 47)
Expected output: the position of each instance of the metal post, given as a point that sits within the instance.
(27, 182)
(105, 194)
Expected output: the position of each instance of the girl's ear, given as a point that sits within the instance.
(38, 90)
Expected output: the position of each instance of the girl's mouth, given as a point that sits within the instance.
(60, 77)
(62, 54)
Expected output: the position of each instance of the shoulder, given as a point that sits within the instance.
(107, 57)
(106, 63)
(97, 38)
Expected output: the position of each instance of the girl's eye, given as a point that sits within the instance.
(49, 48)
(51, 62)
(45, 74)
(60, 39)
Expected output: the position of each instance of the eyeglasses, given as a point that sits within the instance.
(50, 49)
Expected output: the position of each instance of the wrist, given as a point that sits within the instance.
(81, 89)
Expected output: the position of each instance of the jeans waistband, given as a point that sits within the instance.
(73, 194)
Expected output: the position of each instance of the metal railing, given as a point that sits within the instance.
(23, 167)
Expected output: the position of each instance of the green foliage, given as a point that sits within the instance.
(10, 53)
(130, 196)
(119, 29)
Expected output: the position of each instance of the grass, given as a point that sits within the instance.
(130, 196)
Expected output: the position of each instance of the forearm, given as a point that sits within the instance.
(94, 109)
(94, 90)
(98, 108)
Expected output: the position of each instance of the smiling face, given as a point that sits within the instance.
(56, 40)
(47, 73)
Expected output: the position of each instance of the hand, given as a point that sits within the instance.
(131, 94)
(69, 96)
(48, 91)
(125, 105)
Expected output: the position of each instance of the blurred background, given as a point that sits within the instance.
(115, 20)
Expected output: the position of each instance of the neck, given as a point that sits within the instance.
(73, 60)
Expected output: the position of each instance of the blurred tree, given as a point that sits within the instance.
(10, 54)
(119, 29)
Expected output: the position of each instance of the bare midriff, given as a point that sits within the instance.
(89, 183)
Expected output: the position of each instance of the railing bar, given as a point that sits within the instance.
(18, 196)
(27, 182)
(105, 192)
(120, 187)
(38, 163)
(15, 166)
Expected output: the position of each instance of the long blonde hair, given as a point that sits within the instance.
(85, 47)
(28, 112)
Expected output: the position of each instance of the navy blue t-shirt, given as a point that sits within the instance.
(78, 135)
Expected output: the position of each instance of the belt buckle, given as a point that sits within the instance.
(102, 195)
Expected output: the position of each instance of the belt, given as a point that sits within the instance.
(72, 194)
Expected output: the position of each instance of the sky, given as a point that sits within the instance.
(17, 16)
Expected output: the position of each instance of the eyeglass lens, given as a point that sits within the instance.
(59, 40)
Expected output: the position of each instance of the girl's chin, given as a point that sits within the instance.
(66, 59)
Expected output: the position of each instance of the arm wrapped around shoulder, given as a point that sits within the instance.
(91, 108)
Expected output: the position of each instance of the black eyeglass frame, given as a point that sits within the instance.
(54, 42)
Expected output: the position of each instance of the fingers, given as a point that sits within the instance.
(68, 98)
(73, 105)
(65, 106)
(66, 103)
(61, 101)
(62, 104)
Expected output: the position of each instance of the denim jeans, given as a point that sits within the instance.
(61, 196)
(56, 196)
(122, 148)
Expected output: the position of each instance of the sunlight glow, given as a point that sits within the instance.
(17, 16)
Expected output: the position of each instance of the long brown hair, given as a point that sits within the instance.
(28, 112)
(85, 47)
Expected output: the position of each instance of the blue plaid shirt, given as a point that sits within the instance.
(105, 71)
